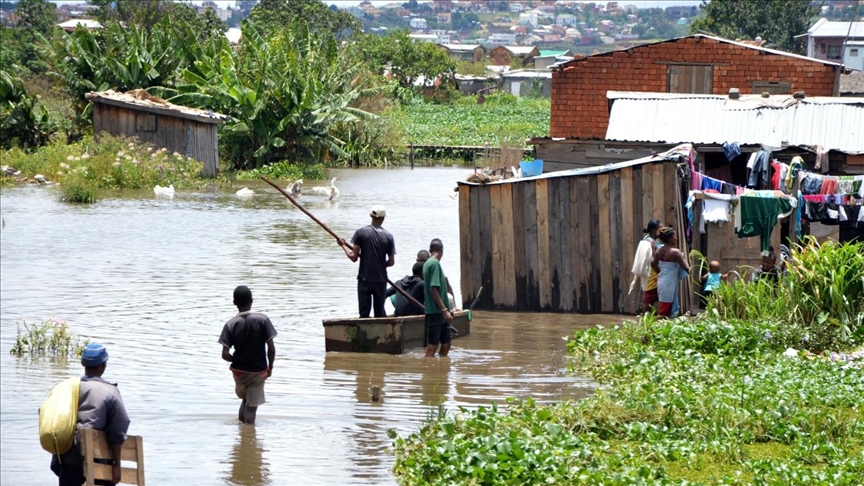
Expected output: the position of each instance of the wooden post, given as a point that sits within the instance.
(412, 155)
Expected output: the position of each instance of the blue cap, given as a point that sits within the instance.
(94, 355)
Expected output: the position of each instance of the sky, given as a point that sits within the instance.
(347, 3)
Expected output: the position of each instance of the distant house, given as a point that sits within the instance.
(525, 82)
(424, 37)
(188, 131)
(517, 7)
(417, 23)
(71, 25)
(502, 39)
(464, 52)
(698, 64)
(443, 17)
(836, 42)
(547, 58)
(504, 55)
(566, 20)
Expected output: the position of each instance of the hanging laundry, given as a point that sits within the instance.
(811, 185)
(759, 172)
(822, 161)
(696, 180)
(715, 210)
(775, 175)
(711, 184)
(757, 216)
(829, 186)
(794, 166)
(731, 150)
(730, 189)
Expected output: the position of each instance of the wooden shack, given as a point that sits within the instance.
(565, 241)
(187, 131)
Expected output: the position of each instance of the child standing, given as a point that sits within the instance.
(711, 280)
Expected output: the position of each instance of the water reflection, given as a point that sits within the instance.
(247, 459)
(152, 278)
(435, 381)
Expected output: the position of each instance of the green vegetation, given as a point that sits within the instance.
(51, 337)
(285, 171)
(705, 400)
(501, 118)
(775, 21)
(85, 167)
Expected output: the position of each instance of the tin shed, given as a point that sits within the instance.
(188, 131)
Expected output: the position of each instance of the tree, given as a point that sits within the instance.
(405, 59)
(272, 15)
(775, 21)
(36, 16)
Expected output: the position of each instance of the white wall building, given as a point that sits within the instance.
(517, 7)
(502, 39)
(417, 23)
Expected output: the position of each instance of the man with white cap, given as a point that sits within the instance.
(100, 407)
(376, 250)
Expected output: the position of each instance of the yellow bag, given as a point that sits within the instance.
(58, 417)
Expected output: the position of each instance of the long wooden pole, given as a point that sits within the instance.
(334, 235)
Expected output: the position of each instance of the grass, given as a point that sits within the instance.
(285, 171)
(707, 400)
(501, 119)
(51, 337)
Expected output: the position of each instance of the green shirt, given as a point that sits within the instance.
(433, 276)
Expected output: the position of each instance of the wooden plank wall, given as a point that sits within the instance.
(187, 137)
(562, 244)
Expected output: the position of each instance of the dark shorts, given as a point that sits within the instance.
(438, 331)
(650, 297)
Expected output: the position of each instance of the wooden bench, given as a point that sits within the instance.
(94, 446)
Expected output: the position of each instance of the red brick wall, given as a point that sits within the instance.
(580, 108)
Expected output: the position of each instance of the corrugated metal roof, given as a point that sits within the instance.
(460, 47)
(681, 150)
(833, 123)
(718, 39)
(825, 28)
(526, 73)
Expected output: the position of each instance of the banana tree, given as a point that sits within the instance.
(284, 93)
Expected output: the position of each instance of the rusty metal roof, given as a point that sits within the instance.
(778, 121)
(139, 99)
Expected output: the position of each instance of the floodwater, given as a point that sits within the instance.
(151, 278)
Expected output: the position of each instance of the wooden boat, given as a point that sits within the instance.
(391, 335)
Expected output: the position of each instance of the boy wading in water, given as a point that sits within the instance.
(438, 312)
(248, 333)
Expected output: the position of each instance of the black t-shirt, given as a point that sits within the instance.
(248, 334)
(414, 287)
(376, 244)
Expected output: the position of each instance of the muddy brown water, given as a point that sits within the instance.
(151, 278)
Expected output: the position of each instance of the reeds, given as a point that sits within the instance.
(51, 337)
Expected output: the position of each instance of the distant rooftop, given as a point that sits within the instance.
(825, 28)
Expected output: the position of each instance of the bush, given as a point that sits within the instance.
(110, 163)
(820, 302)
(285, 171)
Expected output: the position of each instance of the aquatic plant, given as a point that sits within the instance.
(501, 117)
(78, 190)
(285, 170)
(706, 400)
(51, 337)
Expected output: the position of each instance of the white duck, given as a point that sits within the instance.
(295, 188)
(164, 191)
(245, 192)
(331, 191)
(40, 179)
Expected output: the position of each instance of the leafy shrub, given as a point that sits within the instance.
(820, 301)
(285, 170)
(51, 337)
(24, 122)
